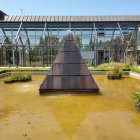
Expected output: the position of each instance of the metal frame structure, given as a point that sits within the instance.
(37, 39)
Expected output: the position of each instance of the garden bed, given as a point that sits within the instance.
(3, 71)
(113, 77)
(115, 73)
(18, 77)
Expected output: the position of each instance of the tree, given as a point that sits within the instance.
(78, 42)
(8, 47)
(47, 49)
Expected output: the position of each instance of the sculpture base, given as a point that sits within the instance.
(41, 91)
(113, 77)
(69, 83)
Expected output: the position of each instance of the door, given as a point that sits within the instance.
(100, 56)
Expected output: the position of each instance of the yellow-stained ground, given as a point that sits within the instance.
(111, 115)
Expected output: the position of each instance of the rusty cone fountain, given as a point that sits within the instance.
(68, 71)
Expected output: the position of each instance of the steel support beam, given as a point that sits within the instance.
(17, 38)
(69, 25)
(95, 45)
(18, 34)
(135, 49)
(27, 36)
(4, 32)
(91, 39)
(44, 43)
(126, 50)
(48, 42)
(29, 44)
(91, 42)
(111, 43)
(8, 45)
(3, 41)
(122, 40)
(121, 33)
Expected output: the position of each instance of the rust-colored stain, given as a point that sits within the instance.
(68, 71)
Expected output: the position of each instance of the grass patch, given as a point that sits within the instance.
(135, 70)
(24, 69)
(109, 66)
(115, 72)
(2, 71)
(19, 77)
(102, 67)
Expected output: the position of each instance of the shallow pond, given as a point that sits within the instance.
(111, 115)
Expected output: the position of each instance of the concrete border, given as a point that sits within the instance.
(98, 72)
(104, 72)
(46, 72)
(4, 74)
(134, 75)
(35, 72)
(39, 72)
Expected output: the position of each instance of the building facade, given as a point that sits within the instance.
(35, 40)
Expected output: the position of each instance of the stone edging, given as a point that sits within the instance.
(134, 75)
(4, 74)
(45, 73)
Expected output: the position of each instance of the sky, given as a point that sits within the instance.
(70, 7)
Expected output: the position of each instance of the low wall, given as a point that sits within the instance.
(46, 72)
(4, 74)
(104, 72)
(39, 72)
(134, 75)
(98, 72)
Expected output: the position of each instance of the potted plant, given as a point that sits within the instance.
(114, 73)
(136, 97)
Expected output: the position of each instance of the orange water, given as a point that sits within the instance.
(111, 115)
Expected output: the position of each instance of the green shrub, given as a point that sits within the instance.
(136, 97)
(109, 66)
(25, 69)
(135, 70)
(102, 67)
(15, 77)
(21, 76)
(127, 67)
(116, 70)
(2, 71)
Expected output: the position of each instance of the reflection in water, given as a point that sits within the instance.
(110, 116)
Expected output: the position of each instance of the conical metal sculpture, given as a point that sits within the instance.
(68, 71)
